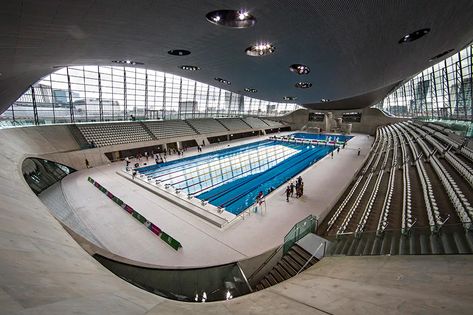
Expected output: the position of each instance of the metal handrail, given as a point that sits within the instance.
(308, 260)
(265, 262)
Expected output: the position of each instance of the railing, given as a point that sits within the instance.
(298, 231)
(324, 244)
(454, 238)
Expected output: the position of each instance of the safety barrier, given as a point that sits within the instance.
(151, 226)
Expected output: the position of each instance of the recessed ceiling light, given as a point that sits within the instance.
(128, 62)
(251, 90)
(223, 81)
(231, 18)
(289, 98)
(303, 85)
(441, 55)
(299, 69)
(414, 36)
(325, 100)
(189, 68)
(179, 52)
(259, 50)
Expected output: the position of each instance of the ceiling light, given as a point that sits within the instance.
(189, 68)
(231, 18)
(414, 36)
(179, 52)
(289, 98)
(259, 50)
(325, 100)
(303, 85)
(299, 69)
(251, 90)
(223, 81)
(128, 62)
(441, 55)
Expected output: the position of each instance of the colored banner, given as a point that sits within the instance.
(152, 227)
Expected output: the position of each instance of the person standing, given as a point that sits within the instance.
(359, 151)
(292, 189)
(87, 163)
(288, 193)
(338, 149)
(127, 161)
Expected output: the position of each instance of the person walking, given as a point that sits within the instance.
(288, 193)
(301, 189)
(338, 149)
(133, 174)
(359, 151)
(87, 163)
(292, 189)
(331, 154)
(127, 161)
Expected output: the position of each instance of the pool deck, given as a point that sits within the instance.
(203, 243)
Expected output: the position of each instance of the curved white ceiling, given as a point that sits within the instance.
(351, 46)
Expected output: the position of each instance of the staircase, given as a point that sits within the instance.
(79, 137)
(446, 241)
(289, 265)
(192, 127)
(151, 134)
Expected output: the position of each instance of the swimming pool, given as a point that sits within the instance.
(231, 178)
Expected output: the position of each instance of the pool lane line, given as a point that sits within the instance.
(225, 165)
(201, 159)
(250, 170)
(222, 193)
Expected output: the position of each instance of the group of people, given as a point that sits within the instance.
(298, 188)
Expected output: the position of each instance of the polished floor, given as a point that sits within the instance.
(204, 244)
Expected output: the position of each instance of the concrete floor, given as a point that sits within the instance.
(203, 243)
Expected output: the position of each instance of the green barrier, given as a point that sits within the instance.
(153, 228)
(171, 242)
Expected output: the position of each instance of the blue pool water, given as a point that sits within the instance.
(233, 177)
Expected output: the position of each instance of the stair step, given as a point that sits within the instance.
(296, 257)
(288, 268)
(275, 273)
(259, 287)
(265, 283)
(301, 252)
(293, 263)
(282, 271)
(271, 279)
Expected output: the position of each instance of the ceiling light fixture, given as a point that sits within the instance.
(289, 98)
(260, 50)
(189, 68)
(325, 100)
(414, 36)
(128, 62)
(223, 81)
(179, 52)
(441, 55)
(251, 90)
(303, 85)
(231, 18)
(299, 69)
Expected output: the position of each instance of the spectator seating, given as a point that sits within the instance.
(170, 129)
(105, 134)
(272, 123)
(234, 123)
(255, 123)
(207, 125)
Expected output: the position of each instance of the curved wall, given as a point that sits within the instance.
(44, 271)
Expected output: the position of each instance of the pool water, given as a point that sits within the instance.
(233, 177)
